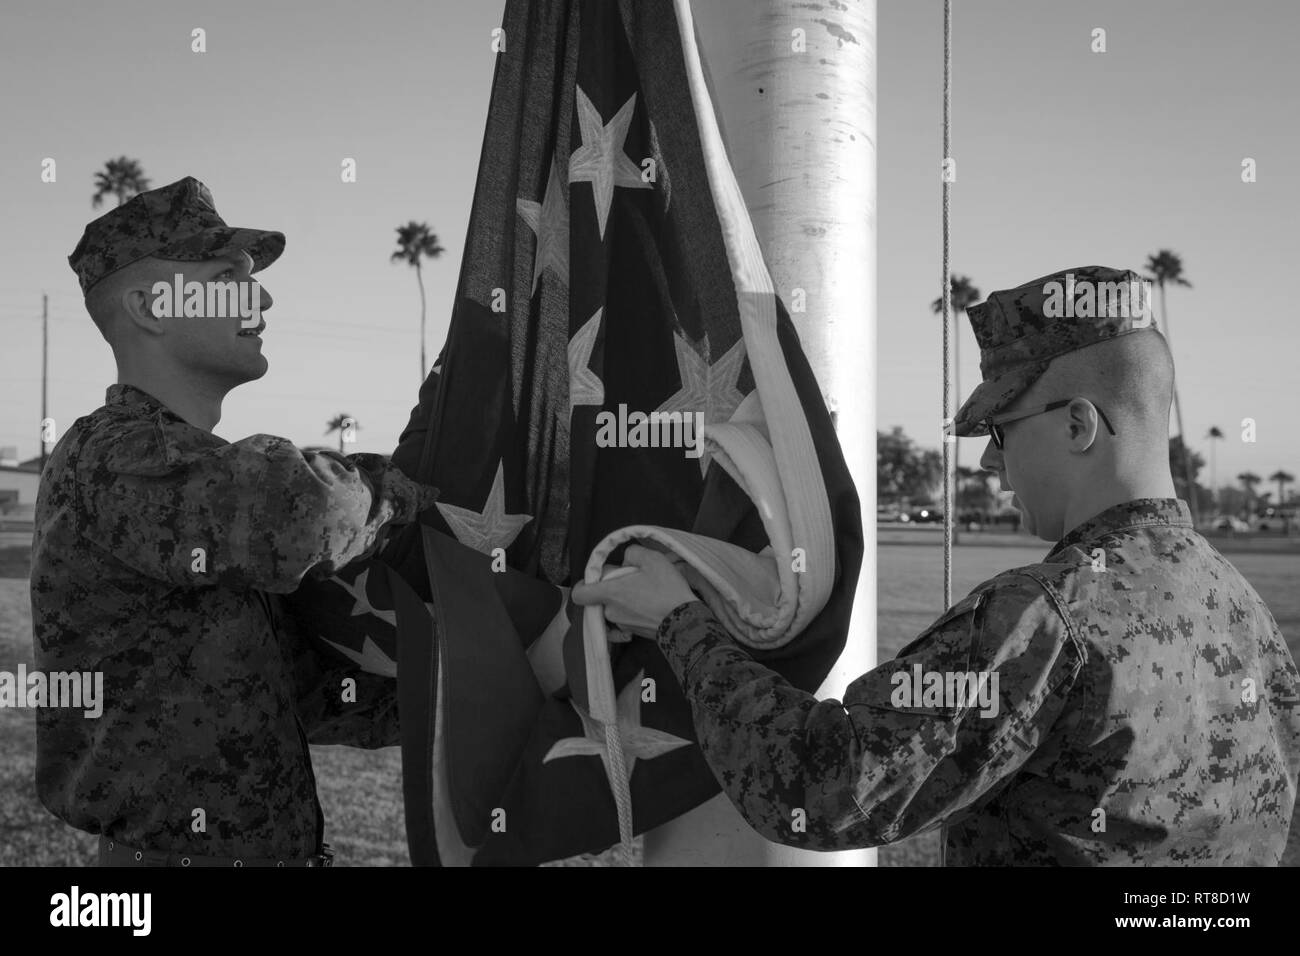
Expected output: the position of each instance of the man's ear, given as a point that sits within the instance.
(1083, 423)
(137, 302)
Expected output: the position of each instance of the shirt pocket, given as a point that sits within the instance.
(933, 675)
(141, 528)
(967, 605)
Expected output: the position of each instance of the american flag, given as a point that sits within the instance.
(610, 271)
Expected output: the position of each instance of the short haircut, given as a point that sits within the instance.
(104, 298)
(1130, 377)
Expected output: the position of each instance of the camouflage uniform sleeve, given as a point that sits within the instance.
(257, 513)
(880, 765)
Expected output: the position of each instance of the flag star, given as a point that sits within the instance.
(600, 159)
(549, 221)
(706, 388)
(370, 658)
(585, 387)
(362, 603)
(491, 527)
(639, 742)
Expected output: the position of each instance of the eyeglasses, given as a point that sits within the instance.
(995, 422)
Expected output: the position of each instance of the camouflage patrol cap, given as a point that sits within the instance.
(178, 221)
(1021, 330)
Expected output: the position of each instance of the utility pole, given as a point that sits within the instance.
(1214, 474)
(796, 103)
(45, 370)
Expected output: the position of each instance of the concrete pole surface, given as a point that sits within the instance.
(794, 89)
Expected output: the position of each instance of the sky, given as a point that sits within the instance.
(1065, 157)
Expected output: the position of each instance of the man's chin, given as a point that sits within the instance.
(257, 366)
(247, 371)
(1028, 522)
(1026, 519)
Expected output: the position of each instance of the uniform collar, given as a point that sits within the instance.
(1138, 513)
(136, 400)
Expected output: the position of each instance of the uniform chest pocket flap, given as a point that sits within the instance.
(937, 674)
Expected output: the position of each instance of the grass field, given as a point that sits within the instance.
(361, 790)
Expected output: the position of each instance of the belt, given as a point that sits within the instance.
(113, 853)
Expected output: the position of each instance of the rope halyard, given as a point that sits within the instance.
(603, 704)
(949, 437)
(945, 297)
(621, 786)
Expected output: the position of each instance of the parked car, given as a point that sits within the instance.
(927, 515)
(1230, 523)
(1274, 519)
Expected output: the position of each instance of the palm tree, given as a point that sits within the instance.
(415, 242)
(121, 177)
(343, 423)
(1165, 267)
(962, 294)
(1248, 481)
(1282, 478)
(1214, 435)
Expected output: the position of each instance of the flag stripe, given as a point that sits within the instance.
(796, 455)
(416, 679)
(482, 655)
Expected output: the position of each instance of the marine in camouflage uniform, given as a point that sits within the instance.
(1148, 708)
(159, 557)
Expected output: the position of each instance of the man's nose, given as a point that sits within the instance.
(265, 299)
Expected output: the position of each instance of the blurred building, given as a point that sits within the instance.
(19, 481)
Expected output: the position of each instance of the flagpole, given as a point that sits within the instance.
(794, 92)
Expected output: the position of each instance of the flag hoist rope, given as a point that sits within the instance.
(945, 296)
(603, 703)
